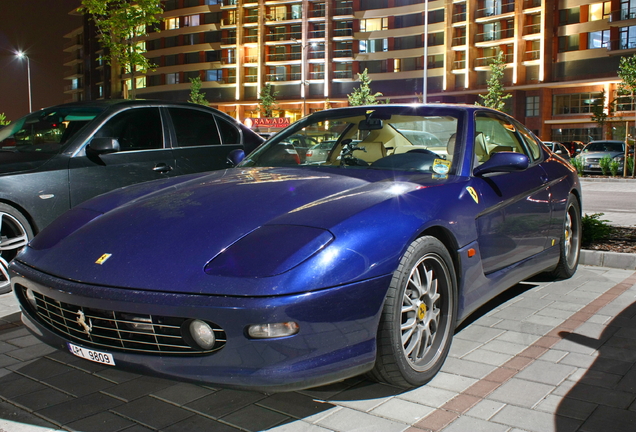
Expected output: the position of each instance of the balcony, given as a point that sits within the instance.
(316, 75)
(459, 17)
(342, 32)
(342, 74)
(251, 59)
(343, 11)
(623, 14)
(228, 41)
(486, 61)
(278, 57)
(316, 54)
(283, 77)
(250, 19)
(459, 41)
(346, 53)
(250, 38)
(529, 4)
(318, 13)
(251, 78)
(317, 34)
(531, 29)
(283, 36)
(532, 55)
(284, 17)
(494, 35)
(498, 9)
(228, 60)
(459, 64)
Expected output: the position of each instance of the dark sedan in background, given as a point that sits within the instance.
(58, 157)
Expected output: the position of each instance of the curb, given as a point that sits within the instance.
(617, 260)
(609, 179)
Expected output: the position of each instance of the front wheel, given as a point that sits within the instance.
(570, 242)
(418, 319)
(15, 233)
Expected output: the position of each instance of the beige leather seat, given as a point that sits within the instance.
(374, 151)
(480, 148)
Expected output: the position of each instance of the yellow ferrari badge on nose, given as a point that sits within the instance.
(473, 193)
(102, 259)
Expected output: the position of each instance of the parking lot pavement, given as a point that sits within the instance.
(545, 356)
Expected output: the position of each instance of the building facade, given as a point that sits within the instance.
(561, 56)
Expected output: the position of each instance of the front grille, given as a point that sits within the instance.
(117, 331)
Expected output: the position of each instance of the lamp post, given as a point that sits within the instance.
(22, 55)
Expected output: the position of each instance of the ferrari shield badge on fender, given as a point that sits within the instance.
(473, 193)
(102, 259)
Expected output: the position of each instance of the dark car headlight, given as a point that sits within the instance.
(269, 250)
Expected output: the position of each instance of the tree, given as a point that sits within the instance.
(120, 24)
(627, 74)
(495, 98)
(362, 95)
(267, 100)
(196, 97)
(3, 120)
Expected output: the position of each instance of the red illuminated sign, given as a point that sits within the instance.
(267, 122)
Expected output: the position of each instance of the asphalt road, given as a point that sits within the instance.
(615, 199)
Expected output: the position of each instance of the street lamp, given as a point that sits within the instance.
(22, 55)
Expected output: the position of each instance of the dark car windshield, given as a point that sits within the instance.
(604, 147)
(46, 131)
(375, 140)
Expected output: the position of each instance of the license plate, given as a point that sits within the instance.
(92, 355)
(595, 166)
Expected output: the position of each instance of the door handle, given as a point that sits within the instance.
(162, 168)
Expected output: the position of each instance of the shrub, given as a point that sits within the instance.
(594, 228)
(613, 167)
(578, 164)
(605, 164)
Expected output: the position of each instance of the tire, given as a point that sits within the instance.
(418, 319)
(15, 233)
(570, 242)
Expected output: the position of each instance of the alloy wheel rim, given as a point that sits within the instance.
(571, 238)
(13, 238)
(423, 318)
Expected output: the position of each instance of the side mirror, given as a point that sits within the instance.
(103, 145)
(503, 162)
(235, 157)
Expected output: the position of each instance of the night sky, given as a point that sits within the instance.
(38, 28)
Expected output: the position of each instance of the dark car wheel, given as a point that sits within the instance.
(418, 319)
(15, 233)
(570, 243)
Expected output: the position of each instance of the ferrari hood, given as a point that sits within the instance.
(169, 239)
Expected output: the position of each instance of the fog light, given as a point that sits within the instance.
(275, 330)
(202, 334)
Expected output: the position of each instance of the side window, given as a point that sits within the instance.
(494, 134)
(194, 128)
(135, 129)
(532, 149)
(229, 132)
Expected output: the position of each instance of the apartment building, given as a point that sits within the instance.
(561, 56)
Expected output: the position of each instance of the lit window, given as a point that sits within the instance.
(598, 39)
(172, 23)
(599, 11)
(191, 20)
(374, 24)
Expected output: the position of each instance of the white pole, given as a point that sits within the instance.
(425, 85)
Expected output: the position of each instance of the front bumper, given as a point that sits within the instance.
(337, 337)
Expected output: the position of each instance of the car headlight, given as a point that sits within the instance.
(269, 250)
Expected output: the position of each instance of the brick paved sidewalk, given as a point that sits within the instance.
(546, 356)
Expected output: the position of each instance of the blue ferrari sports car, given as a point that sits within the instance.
(288, 271)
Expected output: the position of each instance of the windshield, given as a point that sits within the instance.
(46, 131)
(375, 140)
(604, 147)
